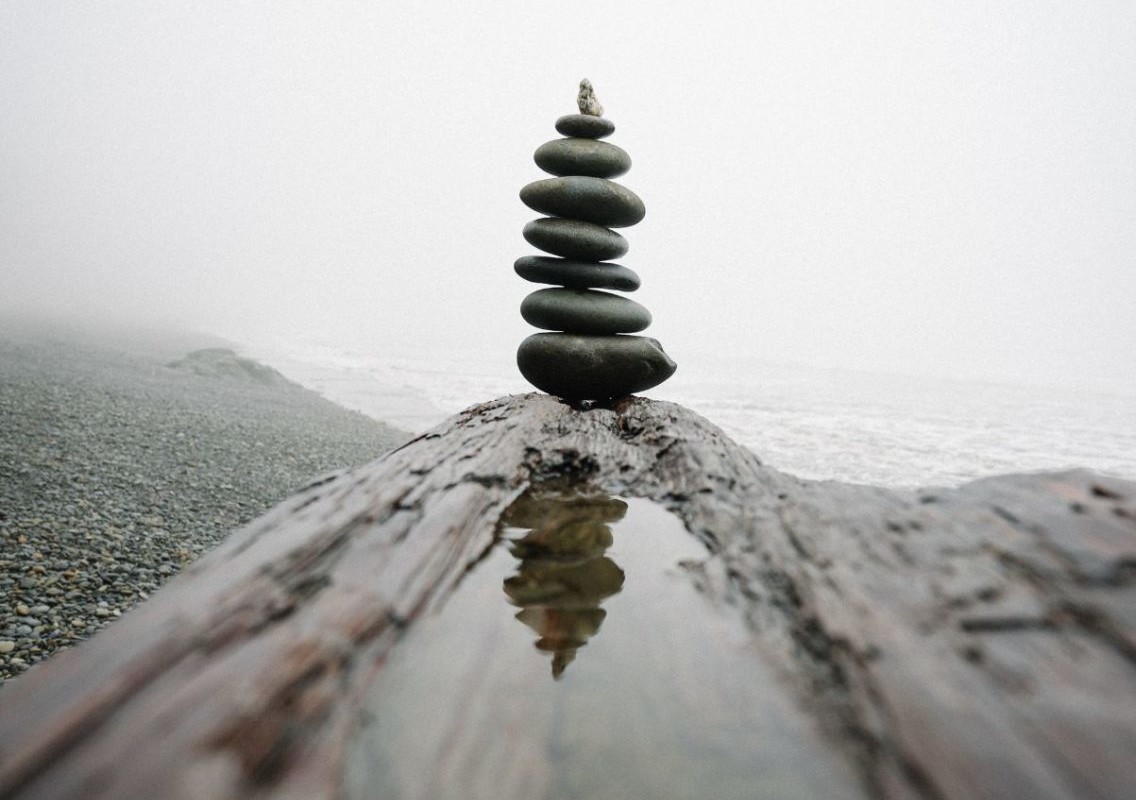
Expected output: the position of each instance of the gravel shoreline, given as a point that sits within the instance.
(117, 469)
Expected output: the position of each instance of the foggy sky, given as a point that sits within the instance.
(944, 188)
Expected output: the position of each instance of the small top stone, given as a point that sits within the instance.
(585, 126)
(587, 100)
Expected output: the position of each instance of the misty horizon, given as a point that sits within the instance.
(945, 192)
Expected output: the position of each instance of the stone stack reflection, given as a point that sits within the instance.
(564, 575)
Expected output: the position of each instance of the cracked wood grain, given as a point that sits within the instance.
(974, 642)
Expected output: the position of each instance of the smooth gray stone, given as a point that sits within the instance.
(588, 199)
(572, 238)
(584, 311)
(585, 126)
(593, 367)
(576, 274)
(582, 157)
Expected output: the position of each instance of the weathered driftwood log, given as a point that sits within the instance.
(973, 642)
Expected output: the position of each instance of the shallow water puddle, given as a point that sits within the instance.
(577, 661)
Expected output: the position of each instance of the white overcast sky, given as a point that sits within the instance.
(943, 187)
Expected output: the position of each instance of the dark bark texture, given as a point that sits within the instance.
(956, 643)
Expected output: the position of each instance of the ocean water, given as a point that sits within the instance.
(880, 429)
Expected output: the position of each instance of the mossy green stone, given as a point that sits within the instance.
(589, 199)
(584, 311)
(578, 367)
(582, 157)
(575, 274)
(572, 238)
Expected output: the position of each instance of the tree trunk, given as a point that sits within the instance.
(971, 642)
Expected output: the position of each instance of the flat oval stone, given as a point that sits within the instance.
(576, 274)
(593, 367)
(582, 157)
(588, 199)
(572, 238)
(585, 126)
(583, 311)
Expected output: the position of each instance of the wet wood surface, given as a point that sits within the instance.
(972, 642)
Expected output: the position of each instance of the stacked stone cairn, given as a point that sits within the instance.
(590, 355)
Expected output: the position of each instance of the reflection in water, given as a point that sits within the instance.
(672, 700)
(563, 575)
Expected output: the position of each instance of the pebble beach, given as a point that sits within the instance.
(124, 456)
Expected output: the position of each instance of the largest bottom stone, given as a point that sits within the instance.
(578, 367)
